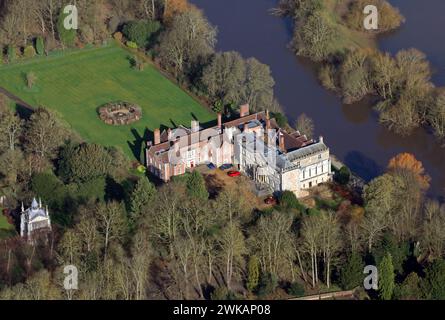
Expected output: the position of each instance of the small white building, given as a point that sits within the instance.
(34, 220)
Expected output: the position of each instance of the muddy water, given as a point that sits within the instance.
(352, 132)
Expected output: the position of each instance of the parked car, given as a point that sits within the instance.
(234, 173)
(270, 200)
(226, 166)
(211, 166)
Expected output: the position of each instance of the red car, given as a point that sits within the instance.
(234, 173)
(270, 200)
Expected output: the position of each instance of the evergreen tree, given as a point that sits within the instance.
(386, 277)
(12, 53)
(40, 46)
(143, 194)
(253, 273)
(196, 187)
(352, 274)
(399, 252)
(434, 286)
(410, 288)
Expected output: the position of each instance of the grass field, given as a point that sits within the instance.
(6, 229)
(77, 83)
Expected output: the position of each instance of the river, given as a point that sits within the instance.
(351, 131)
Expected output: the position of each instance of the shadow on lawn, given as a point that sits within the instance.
(137, 146)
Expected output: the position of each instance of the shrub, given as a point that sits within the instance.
(268, 284)
(326, 76)
(132, 45)
(30, 79)
(296, 290)
(137, 63)
(222, 293)
(118, 36)
(141, 169)
(288, 200)
(12, 53)
(141, 32)
(343, 175)
(29, 52)
(86, 34)
(40, 46)
(280, 119)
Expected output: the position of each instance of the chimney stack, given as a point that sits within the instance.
(176, 147)
(195, 126)
(281, 141)
(219, 120)
(244, 110)
(169, 134)
(157, 136)
(267, 121)
(321, 139)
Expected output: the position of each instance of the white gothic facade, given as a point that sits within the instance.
(34, 220)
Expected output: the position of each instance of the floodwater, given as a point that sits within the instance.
(351, 131)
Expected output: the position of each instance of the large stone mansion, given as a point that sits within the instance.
(254, 143)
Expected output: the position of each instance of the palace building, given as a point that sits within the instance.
(269, 155)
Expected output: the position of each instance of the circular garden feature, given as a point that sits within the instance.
(120, 113)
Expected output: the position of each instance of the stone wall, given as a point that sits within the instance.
(120, 113)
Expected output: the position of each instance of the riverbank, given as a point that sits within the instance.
(352, 132)
(406, 97)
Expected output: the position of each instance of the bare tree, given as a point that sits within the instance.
(305, 125)
(111, 220)
(433, 229)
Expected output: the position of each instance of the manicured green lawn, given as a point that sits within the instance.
(77, 83)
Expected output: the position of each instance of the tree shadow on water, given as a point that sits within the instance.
(362, 165)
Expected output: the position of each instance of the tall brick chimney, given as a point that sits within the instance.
(244, 110)
(157, 136)
(267, 120)
(219, 120)
(281, 141)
